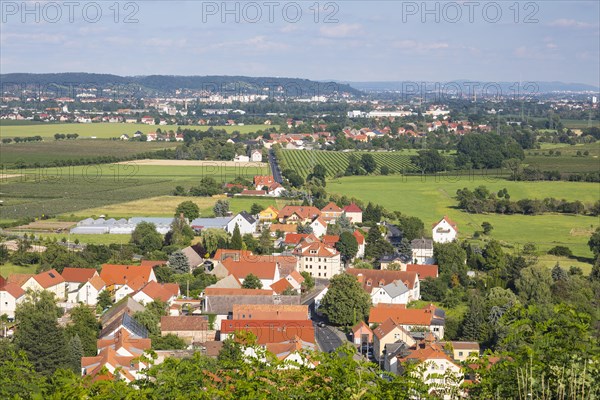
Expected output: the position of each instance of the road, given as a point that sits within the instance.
(328, 338)
(275, 167)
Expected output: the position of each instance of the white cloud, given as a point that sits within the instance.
(341, 30)
(570, 23)
(419, 46)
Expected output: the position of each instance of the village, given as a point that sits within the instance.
(275, 297)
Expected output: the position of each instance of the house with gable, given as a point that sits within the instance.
(11, 295)
(388, 286)
(317, 258)
(245, 222)
(422, 251)
(444, 231)
(269, 214)
(123, 280)
(319, 226)
(260, 181)
(387, 333)
(75, 277)
(298, 214)
(118, 355)
(166, 292)
(88, 292)
(331, 212)
(354, 213)
(430, 318)
(50, 281)
(360, 240)
(266, 271)
(436, 369)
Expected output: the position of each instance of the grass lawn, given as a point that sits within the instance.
(8, 268)
(429, 200)
(107, 130)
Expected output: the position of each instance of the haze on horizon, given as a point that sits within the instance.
(344, 40)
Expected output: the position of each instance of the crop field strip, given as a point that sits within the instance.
(33, 195)
(336, 161)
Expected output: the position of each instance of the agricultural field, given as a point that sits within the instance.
(54, 191)
(106, 130)
(164, 206)
(430, 198)
(48, 151)
(568, 161)
(336, 161)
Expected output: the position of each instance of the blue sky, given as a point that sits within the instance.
(371, 40)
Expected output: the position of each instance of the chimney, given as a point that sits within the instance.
(360, 278)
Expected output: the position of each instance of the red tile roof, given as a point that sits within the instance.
(263, 180)
(97, 282)
(304, 212)
(382, 277)
(360, 239)
(297, 276)
(271, 331)
(183, 323)
(79, 275)
(163, 292)
(332, 208)
(330, 240)
(241, 269)
(401, 315)
(423, 270)
(236, 292)
(449, 221)
(114, 274)
(18, 279)
(281, 285)
(48, 279)
(294, 238)
(222, 254)
(13, 289)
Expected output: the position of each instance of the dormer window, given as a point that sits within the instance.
(381, 283)
(369, 282)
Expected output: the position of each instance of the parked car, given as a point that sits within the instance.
(321, 324)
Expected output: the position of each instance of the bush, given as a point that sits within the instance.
(563, 251)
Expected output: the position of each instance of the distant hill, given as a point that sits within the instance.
(294, 87)
(507, 87)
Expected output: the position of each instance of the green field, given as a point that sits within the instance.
(106, 130)
(337, 162)
(48, 151)
(54, 191)
(431, 198)
(568, 161)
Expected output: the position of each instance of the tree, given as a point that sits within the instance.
(347, 246)
(180, 235)
(256, 208)
(4, 254)
(251, 281)
(104, 300)
(85, 326)
(594, 242)
(179, 263)
(221, 208)
(75, 352)
(39, 334)
(487, 227)
(474, 327)
(533, 285)
(493, 256)
(146, 238)
(368, 163)
(189, 209)
(411, 227)
(18, 378)
(236, 238)
(451, 259)
(561, 251)
(429, 161)
(309, 281)
(265, 245)
(384, 170)
(345, 303)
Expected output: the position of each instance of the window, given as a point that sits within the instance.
(319, 274)
(369, 282)
(460, 353)
(325, 274)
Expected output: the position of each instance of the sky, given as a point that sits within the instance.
(342, 40)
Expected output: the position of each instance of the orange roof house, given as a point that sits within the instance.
(79, 275)
(279, 312)
(114, 274)
(281, 286)
(271, 331)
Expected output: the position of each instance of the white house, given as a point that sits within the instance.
(422, 251)
(360, 240)
(50, 281)
(395, 292)
(75, 277)
(245, 222)
(10, 295)
(241, 158)
(353, 213)
(88, 292)
(318, 259)
(319, 227)
(166, 292)
(256, 156)
(444, 231)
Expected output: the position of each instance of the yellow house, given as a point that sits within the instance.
(268, 214)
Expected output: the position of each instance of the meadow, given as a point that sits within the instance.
(336, 162)
(107, 130)
(568, 161)
(430, 198)
(54, 150)
(54, 191)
